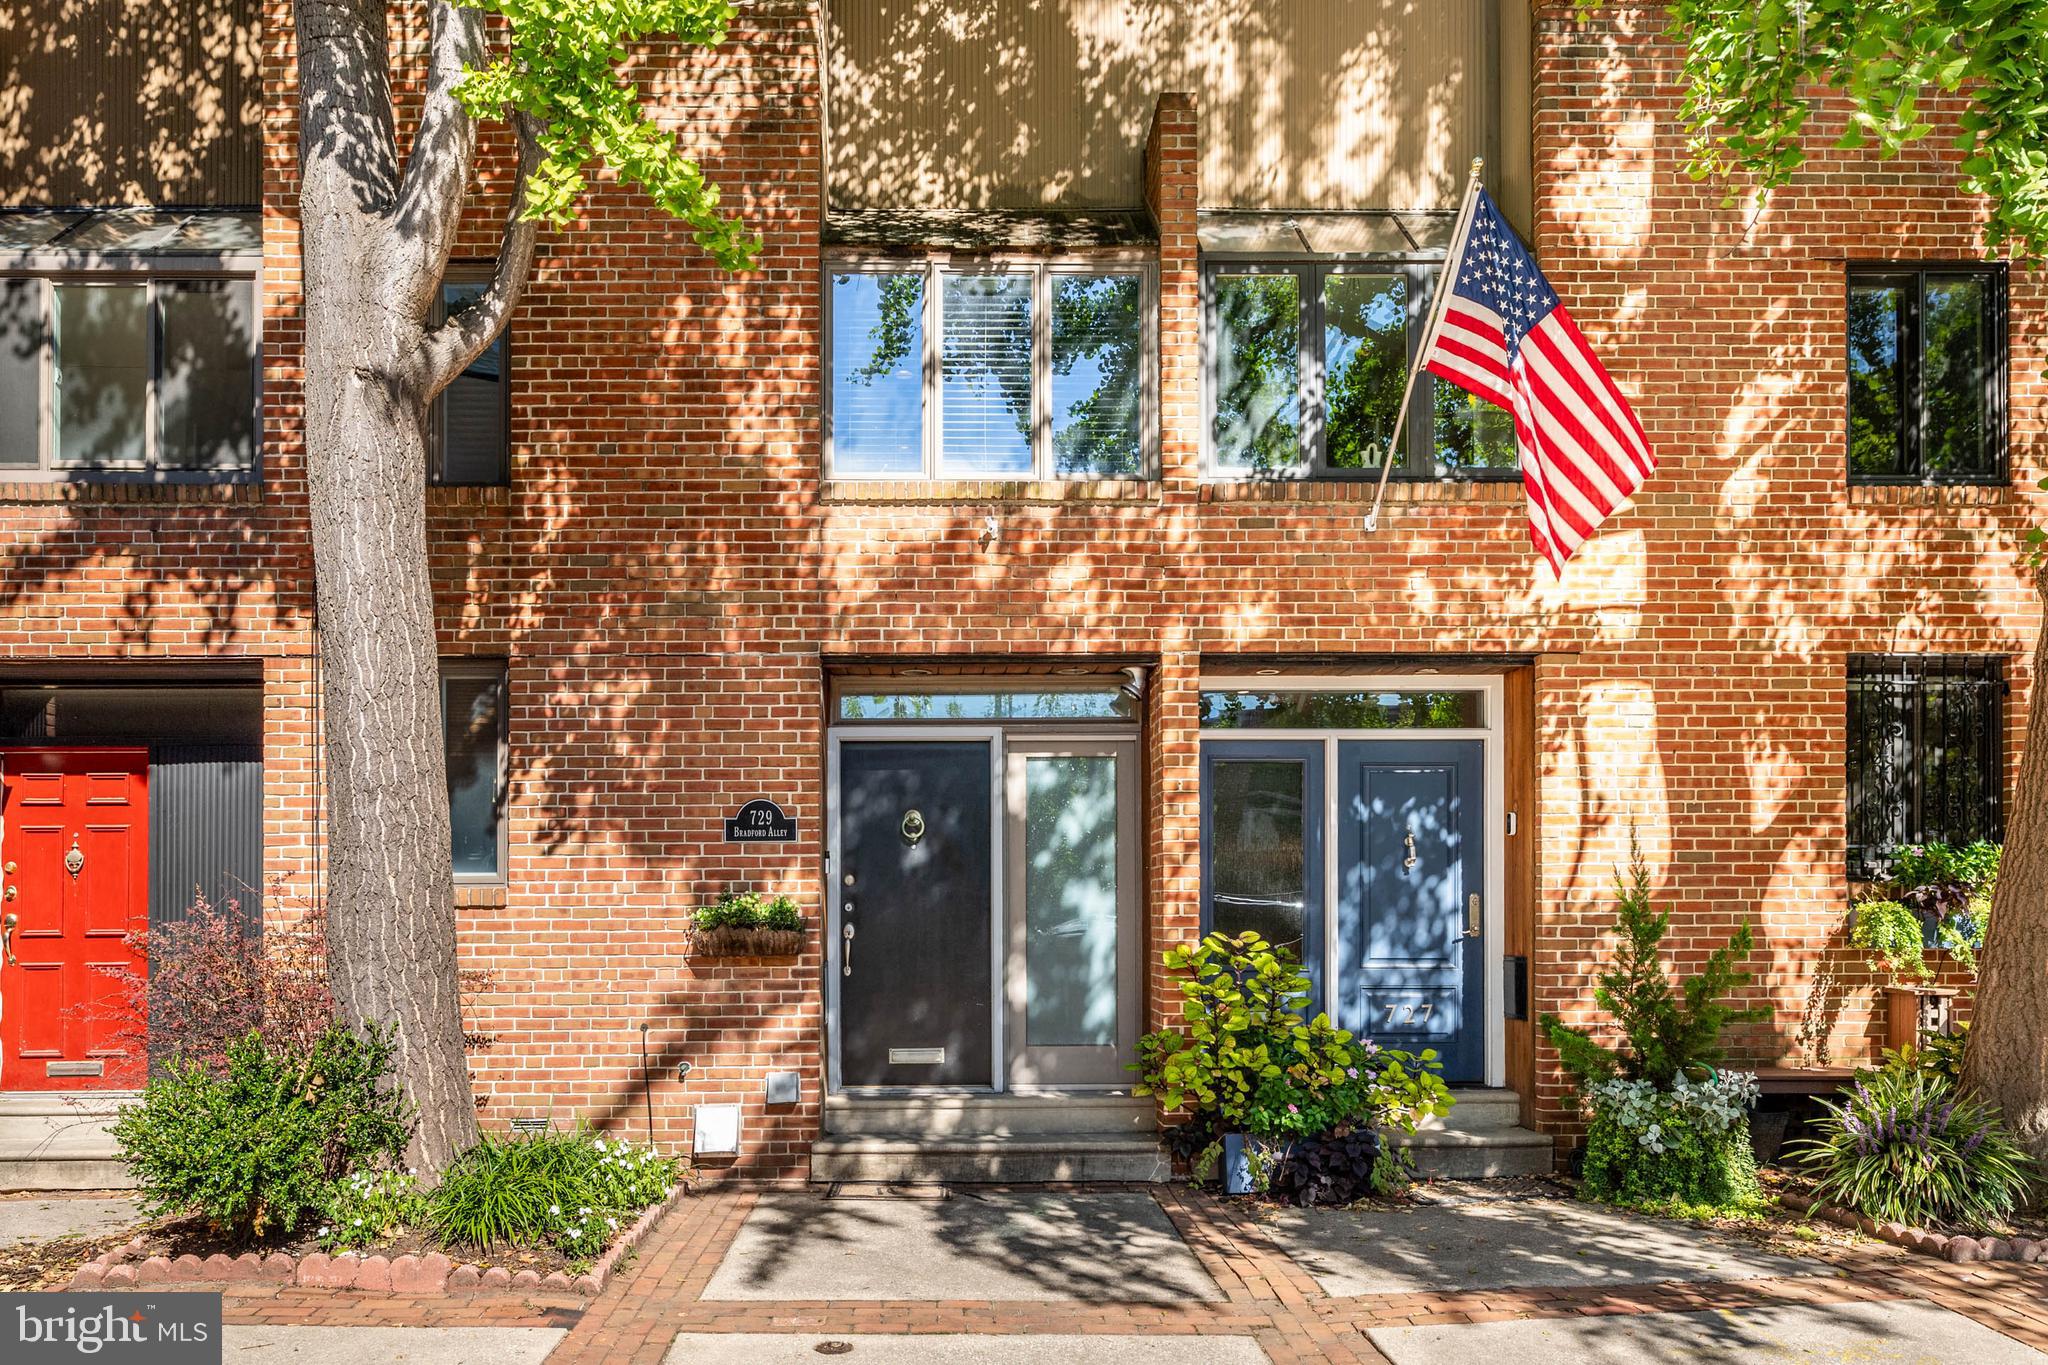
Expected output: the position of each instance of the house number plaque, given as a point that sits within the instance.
(759, 821)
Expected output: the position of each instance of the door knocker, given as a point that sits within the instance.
(1408, 863)
(913, 826)
(75, 859)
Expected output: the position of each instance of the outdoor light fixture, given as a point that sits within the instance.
(1074, 671)
(1267, 672)
(915, 672)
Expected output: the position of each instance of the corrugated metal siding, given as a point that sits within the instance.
(122, 102)
(205, 828)
(1337, 104)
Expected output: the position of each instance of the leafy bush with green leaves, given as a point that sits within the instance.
(749, 910)
(1891, 937)
(1682, 1149)
(1941, 1054)
(366, 1207)
(571, 1191)
(1249, 1062)
(255, 1147)
(1665, 1034)
(1907, 1146)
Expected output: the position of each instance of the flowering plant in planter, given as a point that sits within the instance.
(1666, 1126)
(1283, 1089)
(748, 924)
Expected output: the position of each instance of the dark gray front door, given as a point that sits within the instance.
(1410, 849)
(916, 971)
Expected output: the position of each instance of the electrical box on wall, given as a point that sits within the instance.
(717, 1130)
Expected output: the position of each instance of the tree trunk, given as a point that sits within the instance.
(390, 892)
(2006, 1061)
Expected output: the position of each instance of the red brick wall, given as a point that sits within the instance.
(669, 578)
(1713, 720)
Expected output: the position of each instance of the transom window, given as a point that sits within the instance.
(129, 346)
(1307, 362)
(1358, 709)
(1926, 374)
(1004, 371)
(1925, 753)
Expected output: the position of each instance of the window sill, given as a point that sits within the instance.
(488, 895)
(1363, 490)
(469, 495)
(244, 493)
(1930, 494)
(990, 490)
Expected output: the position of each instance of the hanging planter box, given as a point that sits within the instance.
(746, 941)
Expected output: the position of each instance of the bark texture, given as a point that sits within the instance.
(376, 241)
(2006, 1061)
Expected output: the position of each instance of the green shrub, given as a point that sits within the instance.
(367, 1206)
(1906, 1146)
(256, 1147)
(570, 1191)
(1941, 1054)
(1686, 1148)
(1665, 1035)
(749, 910)
(1891, 937)
(1667, 1129)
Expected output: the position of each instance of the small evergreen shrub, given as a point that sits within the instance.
(1688, 1146)
(1666, 1127)
(255, 1148)
(571, 1191)
(1906, 1146)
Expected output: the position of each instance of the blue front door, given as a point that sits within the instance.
(1411, 847)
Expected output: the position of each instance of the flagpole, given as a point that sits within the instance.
(1459, 232)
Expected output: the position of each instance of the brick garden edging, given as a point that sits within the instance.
(125, 1267)
(1958, 1249)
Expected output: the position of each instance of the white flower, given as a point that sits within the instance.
(612, 1223)
(323, 1230)
(555, 1209)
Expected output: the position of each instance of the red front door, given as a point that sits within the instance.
(74, 846)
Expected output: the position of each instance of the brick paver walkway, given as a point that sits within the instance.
(1266, 1296)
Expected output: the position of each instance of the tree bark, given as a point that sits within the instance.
(375, 243)
(2006, 1061)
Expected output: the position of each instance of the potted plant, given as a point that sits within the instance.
(1271, 1090)
(1893, 941)
(1937, 894)
(748, 924)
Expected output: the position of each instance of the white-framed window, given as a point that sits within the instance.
(130, 347)
(990, 369)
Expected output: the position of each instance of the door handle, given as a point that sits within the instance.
(7, 937)
(1472, 915)
(846, 952)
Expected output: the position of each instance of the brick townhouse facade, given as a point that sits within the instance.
(1005, 529)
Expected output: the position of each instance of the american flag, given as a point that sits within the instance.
(1503, 335)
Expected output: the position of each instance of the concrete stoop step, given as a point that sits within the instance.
(1480, 1139)
(1031, 1139)
(987, 1139)
(60, 1142)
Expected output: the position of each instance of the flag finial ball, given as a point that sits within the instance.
(1477, 162)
